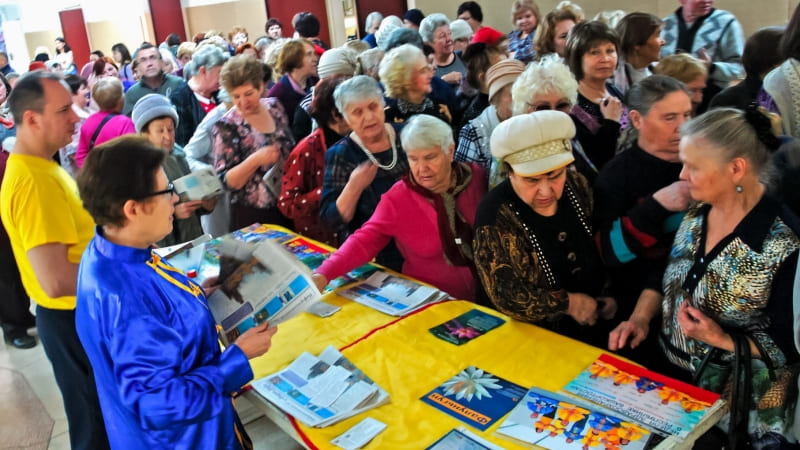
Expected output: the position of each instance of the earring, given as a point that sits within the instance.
(739, 189)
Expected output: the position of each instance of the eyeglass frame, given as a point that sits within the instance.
(169, 190)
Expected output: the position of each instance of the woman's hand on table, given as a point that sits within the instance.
(269, 154)
(697, 325)
(210, 285)
(186, 209)
(320, 281)
(611, 108)
(633, 330)
(257, 340)
(582, 308)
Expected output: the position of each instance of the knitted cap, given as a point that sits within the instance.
(384, 32)
(337, 61)
(150, 107)
(534, 143)
(460, 29)
(503, 73)
(486, 35)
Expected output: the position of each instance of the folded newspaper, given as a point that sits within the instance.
(393, 294)
(321, 391)
(198, 185)
(259, 282)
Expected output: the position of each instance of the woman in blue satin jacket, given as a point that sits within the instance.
(161, 377)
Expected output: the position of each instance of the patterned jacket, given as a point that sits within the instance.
(720, 34)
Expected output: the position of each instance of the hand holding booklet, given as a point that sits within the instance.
(392, 294)
(198, 185)
(259, 282)
(321, 391)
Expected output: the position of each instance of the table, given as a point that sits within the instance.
(408, 361)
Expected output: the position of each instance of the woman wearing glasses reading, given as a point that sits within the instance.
(161, 377)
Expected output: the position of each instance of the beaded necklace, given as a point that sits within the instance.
(548, 272)
(369, 154)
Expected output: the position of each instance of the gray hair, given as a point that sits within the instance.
(369, 62)
(372, 17)
(547, 76)
(423, 131)
(209, 57)
(402, 36)
(429, 25)
(646, 93)
(358, 88)
(729, 132)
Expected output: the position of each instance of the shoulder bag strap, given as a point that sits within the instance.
(100, 127)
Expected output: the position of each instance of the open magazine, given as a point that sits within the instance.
(258, 282)
(392, 294)
(321, 391)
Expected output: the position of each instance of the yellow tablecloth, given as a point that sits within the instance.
(404, 358)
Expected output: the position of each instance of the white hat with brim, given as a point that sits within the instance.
(534, 144)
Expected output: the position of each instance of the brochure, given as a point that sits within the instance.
(392, 294)
(257, 283)
(462, 439)
(475, 397)
(321, 391)
(655, 400)
(198, 185)
(556, 422)
(360, 434)
(467, 327)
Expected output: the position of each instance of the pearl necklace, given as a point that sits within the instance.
(369, 154)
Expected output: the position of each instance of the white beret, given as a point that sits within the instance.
(534, 143)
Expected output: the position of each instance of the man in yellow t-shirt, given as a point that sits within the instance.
(49, 229)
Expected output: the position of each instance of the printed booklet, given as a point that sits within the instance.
(657, 401)
(557, 422)
(466, 327)
(462, 439)
(392, 294)
(475, 397)
(198, 185)
(257, 283)
(321, 391)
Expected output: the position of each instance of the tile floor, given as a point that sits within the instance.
(33, 364)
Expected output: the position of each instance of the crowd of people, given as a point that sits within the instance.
(627, 181)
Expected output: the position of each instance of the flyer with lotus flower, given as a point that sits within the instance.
(655, 400)
(476, 397)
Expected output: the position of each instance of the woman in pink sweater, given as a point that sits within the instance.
(429, 214)
(107, 123)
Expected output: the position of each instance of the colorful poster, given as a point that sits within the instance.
(655, 400)
(475, 397)
(557, 422)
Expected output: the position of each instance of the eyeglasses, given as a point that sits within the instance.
(169, 190)
(543, 106)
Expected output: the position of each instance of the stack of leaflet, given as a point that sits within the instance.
(321, 391)
(393, 294)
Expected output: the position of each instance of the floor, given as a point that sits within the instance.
(20, 366)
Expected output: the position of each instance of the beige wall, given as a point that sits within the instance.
(40, 38)
(131, 32)
(751, 14)
(251, 14)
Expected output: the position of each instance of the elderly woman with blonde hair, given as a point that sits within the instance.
(534, 247)
(693, 73)
(436, 247)
(406, 74)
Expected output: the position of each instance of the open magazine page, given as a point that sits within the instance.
(320, 391)
(558, 422)
(259, 282)
(392, 294)
(655, 400)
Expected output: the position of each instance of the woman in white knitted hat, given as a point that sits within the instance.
(534, 249)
